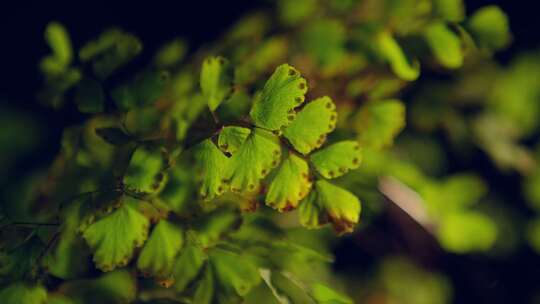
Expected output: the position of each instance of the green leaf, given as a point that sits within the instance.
(23, 293)
(212, 165)
(158, 254)
(211, 227)
(309, 129)
(145, 171)
(274, 107)
(205, 290)
(187, 266)
(68, 258)
(450, 10)
(290, 185)
(392, 52)
(295, 292)
(326, 295)
(216, 81)
(58, 40)
(171, 53)
(232, 138)
(118, 286)
(467, 231)
(329, 203)
(445, 45)
(114, 237)
(292, 12)
(234, 272)
(324, 40)
(337, 159)
(114, 136)
(259, 154)
(378, 122)
(489, 26)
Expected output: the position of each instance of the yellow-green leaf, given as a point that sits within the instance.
(309, 129)
(231, 138)
(274, 107)
(337, 159)
(290, 185)
(212, 165)
(216, 80)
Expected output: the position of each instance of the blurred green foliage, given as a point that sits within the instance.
(165, 192)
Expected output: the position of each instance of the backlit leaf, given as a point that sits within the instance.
(445, 45)
(231, 138)
(23, 293)
(394, 54)
(324, 294)
(216, 80)
(337, 159)
(114, 237)
(489, 26)
(253, 161)
(212, 165)
(145, 171)
(234, 272)
(187, 266)
(274, 107)
(329, 203)
(308, 130)
(467, 231)
(290, 185)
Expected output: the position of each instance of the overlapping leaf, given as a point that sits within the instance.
(445, 45)
(253, 161)
(158, 254)
(274, 107)
(330, 203)
(232, 138)
(212, 169)
(308, 130)
(235, 273)
(337, 159)
(290, 185)
(187, 266)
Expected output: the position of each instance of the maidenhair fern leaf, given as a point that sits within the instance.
(187, 267)
(212, 165)
(308, 130)
(336, 159)
(290, 185)
(324, 294)
(231, 138)
(145, 171)
(397, 59)
(114, 237)
(445, 45)
(205, 290)
(158, 254)
(274, 107)
(489, 26)
(330, 203)
(378, 123)
(256, 157)
(23, 293)
(234, 272)
(216, 80)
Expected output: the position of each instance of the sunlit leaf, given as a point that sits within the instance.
(329, 203)
(308, 130)
(394, 54)
(451, 10)
(324, 294)
(290, 185)
(234, 272)
(114, 237)
(145, 171)
(216, 80)
(212, 167)
(337, 159)
(274, 107)
(232, 138)
(445, 45)
(187, 266)
(466, 232)
(259, 154)
(489, 26)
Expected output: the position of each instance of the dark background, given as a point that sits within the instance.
(476, 279)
